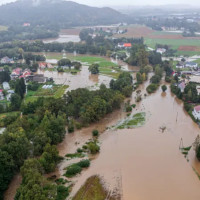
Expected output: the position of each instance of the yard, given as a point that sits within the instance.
(57, 91)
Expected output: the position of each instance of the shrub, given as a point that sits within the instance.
(84, 163)
(167, 79)
(133, 105)
(93, 147)
(79, 150)
(73, 170)
(152, 88)
(95, 133)
(164, 88)
(62, 192)
(71, 127)
(128, 108)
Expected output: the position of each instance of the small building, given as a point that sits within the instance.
(161, 50)
(180, 65)
(182, 86)
(39, 78)
(191, 64)
(120, 45)
(26, 24)
(127, 45)
(6, 60)
(6, 86)
(43, 65)
(26, 73)
(196, 112)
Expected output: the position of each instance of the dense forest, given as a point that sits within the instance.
(62, 14)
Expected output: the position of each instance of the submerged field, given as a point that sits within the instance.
(106, 67)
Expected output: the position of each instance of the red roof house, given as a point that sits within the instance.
(127, 45)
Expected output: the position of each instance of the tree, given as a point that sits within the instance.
(6, 171)
(15, 102)
(49, 158)
(139, 78)
(20, 87)
(64, 62)
(196, 146)
(164, 88)
(94, 69)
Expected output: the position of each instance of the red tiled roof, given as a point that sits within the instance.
(197, 108)
(1, 90)
(127, 45)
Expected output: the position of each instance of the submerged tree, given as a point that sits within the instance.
(94, 68)
(196, 146)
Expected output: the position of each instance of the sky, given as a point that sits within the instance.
(128, 2)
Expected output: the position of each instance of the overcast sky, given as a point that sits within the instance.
(128, 2)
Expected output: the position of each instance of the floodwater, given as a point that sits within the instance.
(62, 38)
(83, 79)
(143, 163)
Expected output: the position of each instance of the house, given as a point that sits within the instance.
(196, 112)
(26, 24)
(127, 45)
(120, 45)
(6, 86)
(26, 73)
(43, 65)
(10, 93)
(191, 64)
(161, 50)
(1, 95)
(180, 65)
(182, 86)
(16, 73)
(6, 60)
(39, 78)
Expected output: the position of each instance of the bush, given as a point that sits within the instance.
(84, 163)
(128, 108)
(187, 107)
(95, 133)
(167, 79)
(73, 170)
(71, 127)
(133, 105)
(152, 88)
(93, 147)
(164, 88)
(62, 192)
(79, 150)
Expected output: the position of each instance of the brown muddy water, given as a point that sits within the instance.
(142, 163)
(83, 79)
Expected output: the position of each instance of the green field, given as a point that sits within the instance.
(172, 42)
(57, 91)
(175, 44)
(3, 28)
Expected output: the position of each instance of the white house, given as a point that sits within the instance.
(191, 64)
(182, 86)
(196, 112)
(161, 50)
(6, 86)
(180, 65)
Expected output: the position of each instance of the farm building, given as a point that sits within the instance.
(161, 50)
(191, 64)
(180, 65)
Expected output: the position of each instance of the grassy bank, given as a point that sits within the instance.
(57, 91)
(93, 189)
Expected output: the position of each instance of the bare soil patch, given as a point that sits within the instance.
(73, 31)
(189, 48)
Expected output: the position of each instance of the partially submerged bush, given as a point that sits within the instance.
(84, 163)
(95, 133)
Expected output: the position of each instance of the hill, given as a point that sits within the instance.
(59, 12)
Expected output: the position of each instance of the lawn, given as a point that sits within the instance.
(57, 92)
(92, 189)
(3, 115)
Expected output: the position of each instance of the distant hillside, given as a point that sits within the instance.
(57, 12)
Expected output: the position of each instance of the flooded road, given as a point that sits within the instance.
(144, 163)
